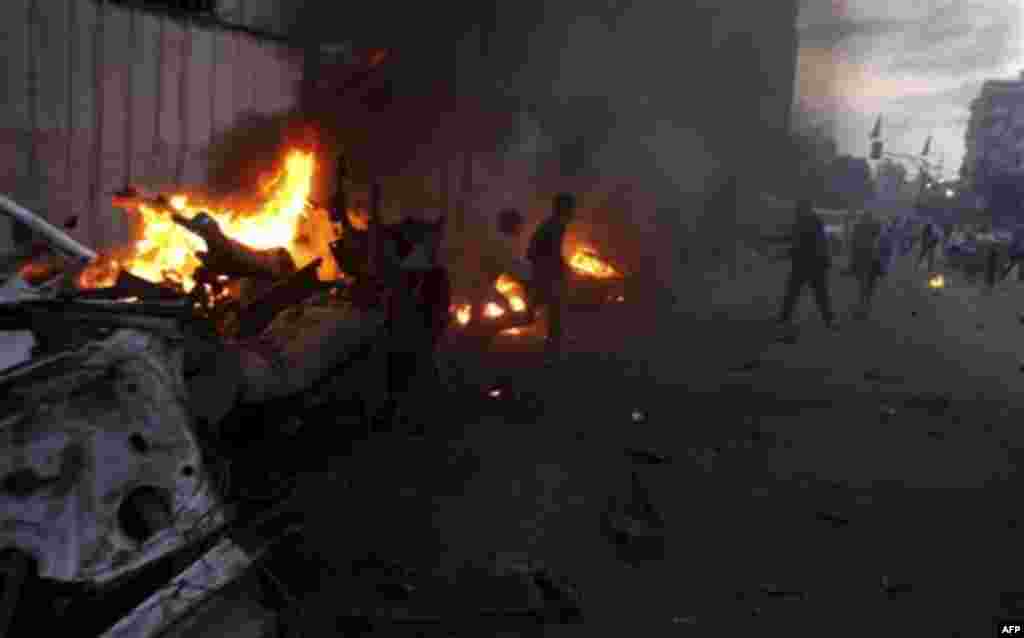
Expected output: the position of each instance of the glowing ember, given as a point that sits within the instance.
(495, 393)
(936, 282)
(513, 332)
(463, 313)
(587, 262)
(512, 291)
(102, 273)
(359, 218)
(165, 251)
(493, 310)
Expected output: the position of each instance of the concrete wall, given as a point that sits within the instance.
(98, 96)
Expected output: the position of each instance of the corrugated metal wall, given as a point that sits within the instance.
(98, 96)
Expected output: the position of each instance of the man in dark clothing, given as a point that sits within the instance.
(550, 273)
(810, 264)
(418, 316)
(929, 242)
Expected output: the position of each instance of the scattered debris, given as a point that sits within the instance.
(638, 416)
(833, 518)
(773, 591)
(935, 404)
(913, 313)
(749, 366)
(892, 590)
(647, 456)
(635, 526)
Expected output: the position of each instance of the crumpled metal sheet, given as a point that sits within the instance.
(16, 347)
(65, 424)
(302, 345)
(205, 578)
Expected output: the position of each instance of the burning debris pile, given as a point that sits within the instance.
(508, 310)
(142, 352)
(210, 306)
(224, 255)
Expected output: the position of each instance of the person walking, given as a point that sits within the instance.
(549, 271)
(1015, 252)
(866, 261)
(810, 264)
(929, 242)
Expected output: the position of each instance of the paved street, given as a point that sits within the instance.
(799, 473)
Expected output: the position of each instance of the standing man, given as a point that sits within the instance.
(550, 273)
(418, 301)
(1015, 251)
(929, 242)
(810, 264)
(866, 260)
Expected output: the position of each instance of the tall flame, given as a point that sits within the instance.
(284, 218)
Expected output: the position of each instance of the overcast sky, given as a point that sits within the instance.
(917, 62)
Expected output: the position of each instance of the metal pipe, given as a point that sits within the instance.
(54, 235)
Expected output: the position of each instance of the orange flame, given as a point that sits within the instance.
(587, 262)
(359, 218)
(512, 291)
(284, 218)
(493, 310)
(463, 313)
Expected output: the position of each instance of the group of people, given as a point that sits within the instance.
(399, 267)
(872, 248)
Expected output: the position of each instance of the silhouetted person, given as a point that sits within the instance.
(866, 260)
(418, 302)
(550, 273)
(991, 267)
(929, 242)
(1015, 252)
(811, 261)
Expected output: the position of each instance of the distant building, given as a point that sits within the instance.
(993, 165)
